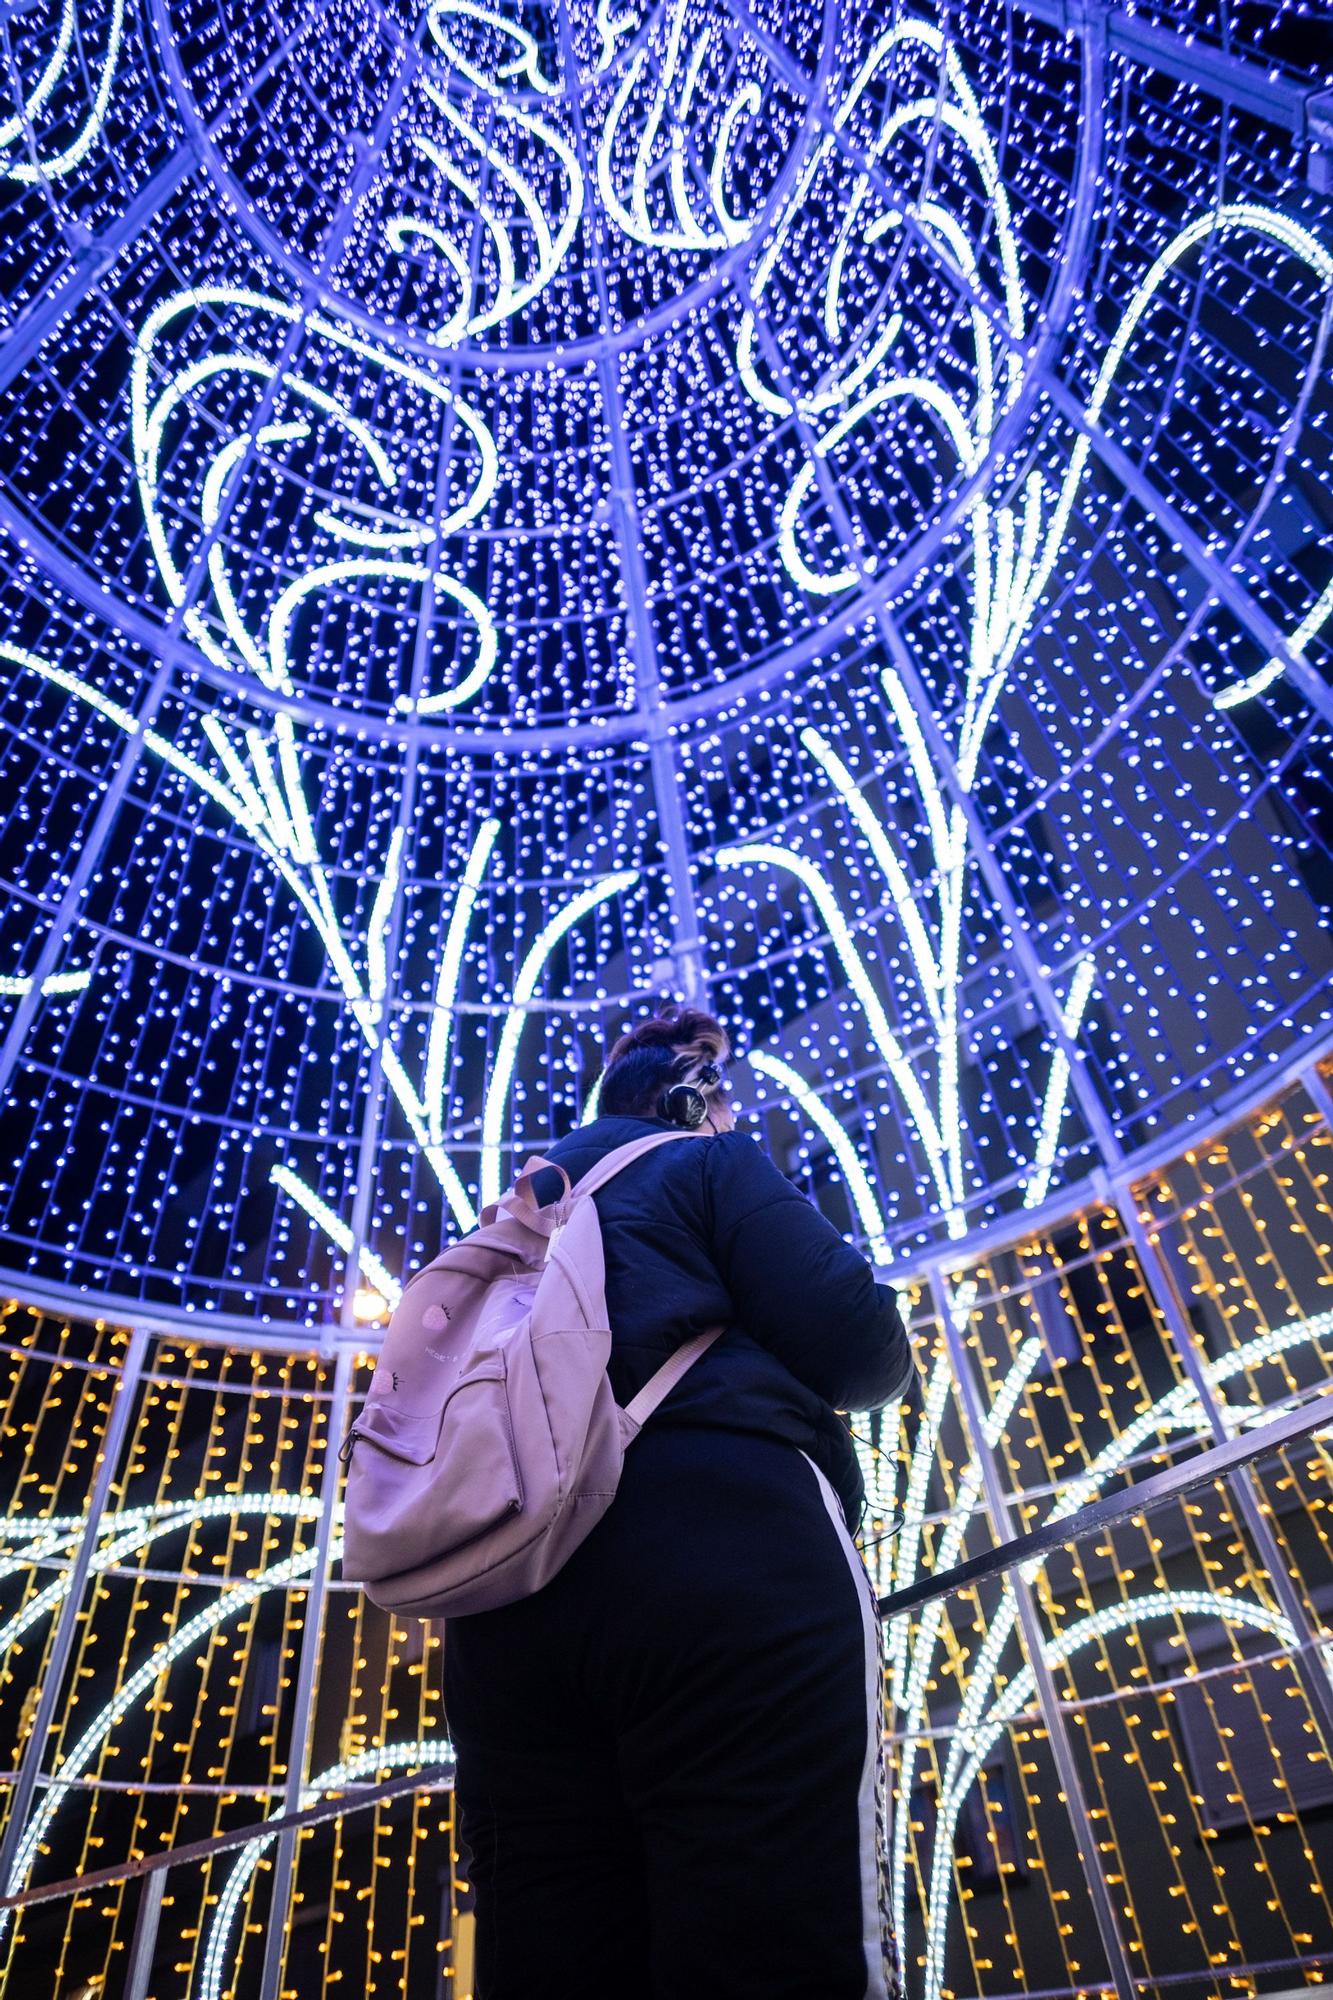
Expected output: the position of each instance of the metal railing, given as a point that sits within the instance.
(1021, 1553)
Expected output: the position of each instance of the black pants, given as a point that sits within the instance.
(667, 1759)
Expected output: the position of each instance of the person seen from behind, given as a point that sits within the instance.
(669, 1758)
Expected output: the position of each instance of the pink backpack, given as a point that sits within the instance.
(490, 1443)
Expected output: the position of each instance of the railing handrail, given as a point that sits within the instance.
(1209, 1465)
(1098, 1515)
(429, 1777)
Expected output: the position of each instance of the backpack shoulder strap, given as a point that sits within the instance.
(610, 1164)
(659, 1386)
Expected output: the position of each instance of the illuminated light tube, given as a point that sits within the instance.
(304, 847)
(525, 67)
(123, 718)
(12, 986)
(1227, 216)
(612, 28)
(368, 1264)
(497, 1090)
(1057, 1085)
(1181, 1403)
(258, 806)
(14, 130)
(1022, 1690)
(15, 127)
(919, 1470)
(433, 1149)
(1253, 684)
(966, 121)
(703, 239)
(761, 854)
(828, 583)
(149, 421)
(446, 984)
(634, 218)
(317, 579)
(496, 226)
(372, 538)
(512, 295)
(813, 1108)
(381, 911)
(886, 860)
(136, 1528)
(1178, 1409)
(397, 230)
(744, 104)
(946, 837)
(919, 1660)
(550, 250)
(913, 1662)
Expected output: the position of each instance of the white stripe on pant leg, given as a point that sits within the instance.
(872, 1861)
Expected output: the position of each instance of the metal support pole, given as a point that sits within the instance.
(946, 765)
(1062, 1749)
(1250, 1503)
(312, 1635)
(72, 1609)
(140, 1968)
(687, 947)
(372, 1122)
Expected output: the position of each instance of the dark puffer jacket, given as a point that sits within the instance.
(708, 1232)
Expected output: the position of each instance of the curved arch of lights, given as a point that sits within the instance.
(143, 1527)
(374, 1763)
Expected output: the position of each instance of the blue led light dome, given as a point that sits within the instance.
(510, 512)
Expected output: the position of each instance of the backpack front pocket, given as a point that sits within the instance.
(427, 1484)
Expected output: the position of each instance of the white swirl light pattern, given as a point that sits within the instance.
(268, 655)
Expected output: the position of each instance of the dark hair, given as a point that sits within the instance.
(656, 1052)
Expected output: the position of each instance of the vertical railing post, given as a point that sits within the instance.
(1048, 1700)
(316, 1594)
(71, 1609)
(144, 1943)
